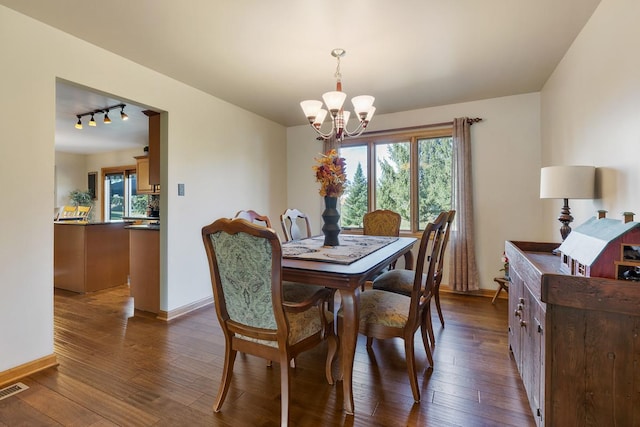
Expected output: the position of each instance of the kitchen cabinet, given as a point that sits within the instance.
(574, 340)
(148, 167)
(142, 177)
(154, 146)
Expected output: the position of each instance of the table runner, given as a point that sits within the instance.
(351, 248)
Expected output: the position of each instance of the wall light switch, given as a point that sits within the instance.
(180, 189)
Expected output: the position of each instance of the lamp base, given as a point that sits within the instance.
(565, 218)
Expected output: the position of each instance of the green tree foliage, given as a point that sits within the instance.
(392, 191)
(139, 204)
(355, 203)
(434, 181)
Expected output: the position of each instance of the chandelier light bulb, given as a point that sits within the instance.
(334, 100)
(322, 114)
(362, 104)
(106, 120)
(372, 110)
(79, 124)
(311, 108)
(92, 122)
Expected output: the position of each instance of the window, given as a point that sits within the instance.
(406, 173)
(119, 195)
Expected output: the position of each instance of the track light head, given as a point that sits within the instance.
(123, 115)
(92, 122)
(106, 120)
(79, 124)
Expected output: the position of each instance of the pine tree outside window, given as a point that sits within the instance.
(406, 173)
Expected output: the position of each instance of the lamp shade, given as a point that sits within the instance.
(567, 182)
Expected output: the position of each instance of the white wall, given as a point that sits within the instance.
(227, 158)
(72, 169)
(591, 112)
(506, 164)
(71, 174)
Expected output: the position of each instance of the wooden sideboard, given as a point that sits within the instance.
(575, 341)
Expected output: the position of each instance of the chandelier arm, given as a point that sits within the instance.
(322, 134)
(357, 131)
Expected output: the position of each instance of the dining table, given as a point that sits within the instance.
(348, 278)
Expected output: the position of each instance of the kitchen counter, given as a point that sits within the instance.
(141, 218)
(144, 260)
(90, 256)
(79, 222)
(143, 227)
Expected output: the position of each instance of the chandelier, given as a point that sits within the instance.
(362, 105)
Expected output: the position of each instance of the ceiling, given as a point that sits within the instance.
(72, 100)
(267, 56)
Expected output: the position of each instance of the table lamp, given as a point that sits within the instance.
(567, 182)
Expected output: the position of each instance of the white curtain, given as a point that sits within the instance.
(463, 271)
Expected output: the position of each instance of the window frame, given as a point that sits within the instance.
(126, 171)
(370, 141)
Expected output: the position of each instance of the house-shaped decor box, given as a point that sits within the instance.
(603, 247)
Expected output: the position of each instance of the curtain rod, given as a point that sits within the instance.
(410, 128)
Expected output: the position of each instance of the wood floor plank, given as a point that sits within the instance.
(57, 407)
(120, 367)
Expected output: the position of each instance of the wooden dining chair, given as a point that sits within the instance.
(245, 264)
(439, 270)
(381, 222)
(293, 223)
(292, 291)
(405, 287)
(386, 314)
(254, 217)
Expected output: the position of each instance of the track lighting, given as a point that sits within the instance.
(104, 111)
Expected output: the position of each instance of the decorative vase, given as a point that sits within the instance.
(331, 216)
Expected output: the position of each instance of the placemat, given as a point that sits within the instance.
(351, 248)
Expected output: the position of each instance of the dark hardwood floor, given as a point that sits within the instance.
(120, 369)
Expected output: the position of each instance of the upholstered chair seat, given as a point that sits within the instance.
(397, 281)
(380, 308)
